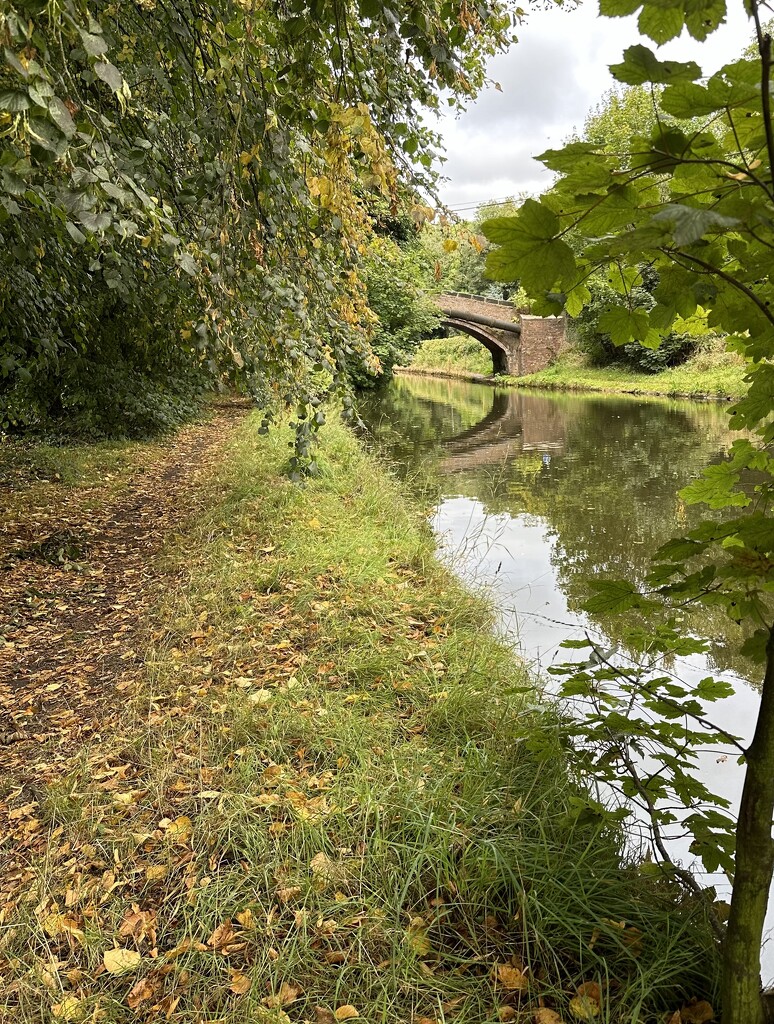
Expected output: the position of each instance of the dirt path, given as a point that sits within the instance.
(73, 625)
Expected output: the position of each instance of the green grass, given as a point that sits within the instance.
(336, 763)
(710, 374)
(460, 354)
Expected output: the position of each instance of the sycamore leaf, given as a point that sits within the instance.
(660, 23)
(641, 65)
(624, 325)
(716, 488)
(618, 8)
(690, 223)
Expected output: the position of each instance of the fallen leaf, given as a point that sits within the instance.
(119, 960)
(240, 983)
(545, 1016)
(697, 1013)
(322, 1015)
(506, 1013)
(591, 990)
(154, 872)
(222, 936)
(584, 1008)
(142, 990)
(286, 995)
(346, 1012)
(138, 925)
(180, 830)
(287, 894)
(417, 936)
(69, 1009)
(512, 978)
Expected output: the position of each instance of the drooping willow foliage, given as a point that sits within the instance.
(187, 187)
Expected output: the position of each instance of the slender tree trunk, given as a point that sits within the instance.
(742, 1002)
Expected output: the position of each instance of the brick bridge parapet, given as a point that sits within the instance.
(518, 342)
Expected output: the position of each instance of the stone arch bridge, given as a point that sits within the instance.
(519, 343)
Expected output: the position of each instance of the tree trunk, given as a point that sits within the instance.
(742, 1001)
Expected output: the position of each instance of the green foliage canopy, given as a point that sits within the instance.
(185, 186)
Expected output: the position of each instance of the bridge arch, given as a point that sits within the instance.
(496, 349)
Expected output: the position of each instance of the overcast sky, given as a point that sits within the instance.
(550, 79)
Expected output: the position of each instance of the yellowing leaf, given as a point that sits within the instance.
(119, 961)
(222, 936)
(240, 983)
(346, 1012)
(512, 978)
(314, 524)
(584, 1008)
(180, 830)
(545, 1016)
(155, 871)
(417, 936)
(69, 1009)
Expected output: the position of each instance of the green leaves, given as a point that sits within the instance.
(529, 251)
(641, 65)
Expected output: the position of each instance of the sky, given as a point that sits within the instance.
(550, 80)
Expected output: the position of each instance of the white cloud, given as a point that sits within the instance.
(550, 80)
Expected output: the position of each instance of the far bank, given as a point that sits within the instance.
(707, 375)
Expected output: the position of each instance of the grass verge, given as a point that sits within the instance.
(704, 375)
(332, 797)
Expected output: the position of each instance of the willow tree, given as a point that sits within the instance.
(696, 204)
(186, 185)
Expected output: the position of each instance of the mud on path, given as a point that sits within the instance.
(74, 587)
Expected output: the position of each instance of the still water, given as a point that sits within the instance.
(539, 493)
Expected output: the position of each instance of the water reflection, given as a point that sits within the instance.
(562, 488)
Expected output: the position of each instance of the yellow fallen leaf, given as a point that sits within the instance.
(417, 936)
(222, 935)
(260, 696)
(584, 1008)
(240, 983)
(512, 978)
(346, 1012)
(155, 871)
(506, 1014)
(314, 524)
(180, 830)
(69, 1009)
(545, 1016)
(119, 960)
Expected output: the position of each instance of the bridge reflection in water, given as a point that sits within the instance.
(517, 422)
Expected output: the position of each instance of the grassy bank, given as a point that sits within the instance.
(459, 355)
(702, 376)
(707, 374)
(325, 800)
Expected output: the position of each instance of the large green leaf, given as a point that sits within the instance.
(641, 65)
